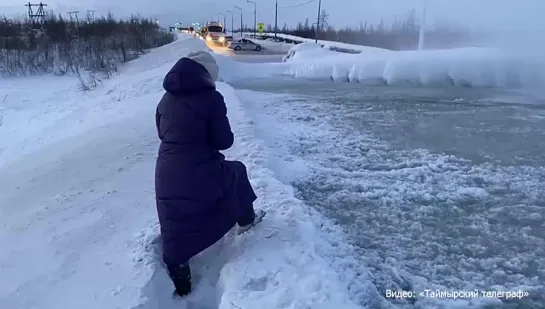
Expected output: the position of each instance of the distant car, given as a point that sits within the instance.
(244, 44)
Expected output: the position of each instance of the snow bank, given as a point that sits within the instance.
(270, 44)
(472, 67)
(352, 48)
(307, 50)
(294, 259)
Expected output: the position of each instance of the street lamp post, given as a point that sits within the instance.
(241, 32)
(223, 21)
(232, 19)
(255, 16)
(276, 19)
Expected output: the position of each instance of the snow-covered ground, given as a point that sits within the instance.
(78, 226)
(324, 43)
(470, 67)
(460, 67)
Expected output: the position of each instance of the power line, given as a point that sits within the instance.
(298, 5)
(276, 7)
(291, 6)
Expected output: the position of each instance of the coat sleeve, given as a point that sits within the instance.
(221, 136)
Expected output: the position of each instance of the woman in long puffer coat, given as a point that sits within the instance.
(200, 195)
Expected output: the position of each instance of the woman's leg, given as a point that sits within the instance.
(245, 194)
(181, 277)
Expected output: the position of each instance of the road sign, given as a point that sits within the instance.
(261, 27)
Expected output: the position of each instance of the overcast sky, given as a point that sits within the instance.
(485, 14)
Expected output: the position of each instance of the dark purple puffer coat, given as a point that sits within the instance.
(200, 196)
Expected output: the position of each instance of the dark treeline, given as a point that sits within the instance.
(60, 46)
(400, 35)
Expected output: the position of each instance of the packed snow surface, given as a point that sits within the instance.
(78, 224)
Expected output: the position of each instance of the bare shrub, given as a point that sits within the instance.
(61, 47)
(88, 80)
(2, 116)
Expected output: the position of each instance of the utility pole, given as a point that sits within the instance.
(90, 16)
(74, 16)
(232, 19)
(255, 16)
(39, 15)
(318, 23)
(276, 19)
(241, 30)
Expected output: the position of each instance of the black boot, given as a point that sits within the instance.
(181, 277)
(258, 217)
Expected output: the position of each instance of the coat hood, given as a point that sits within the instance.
(188, 76)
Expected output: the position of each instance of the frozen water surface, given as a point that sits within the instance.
(437, 188)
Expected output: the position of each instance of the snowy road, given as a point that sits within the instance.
(437, 188)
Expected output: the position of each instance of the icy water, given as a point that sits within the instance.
(436, 188)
